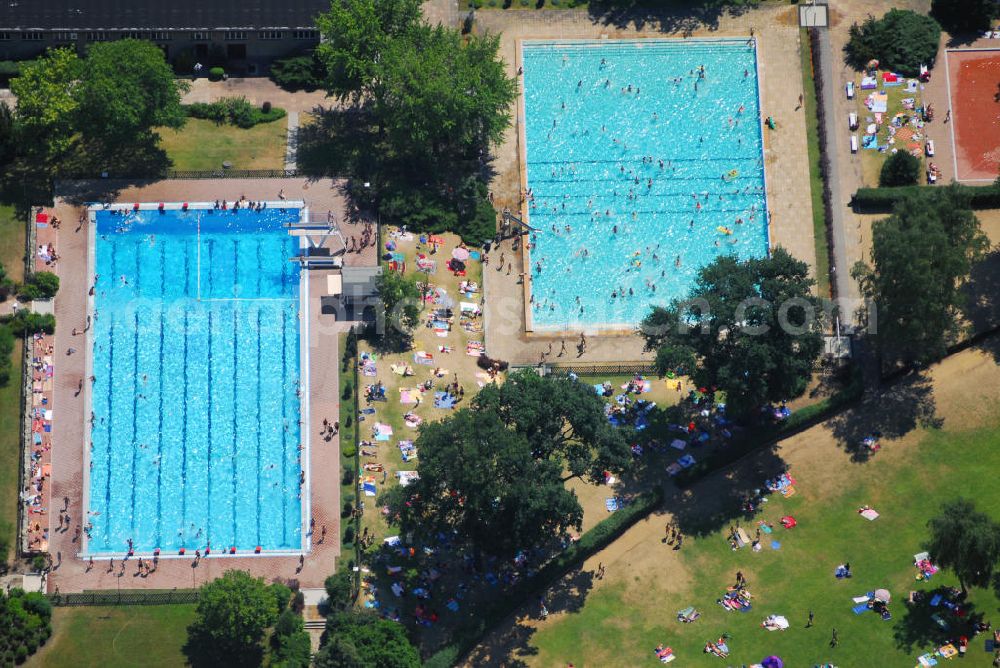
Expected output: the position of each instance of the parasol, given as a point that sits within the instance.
(882, 595)
(460, 253)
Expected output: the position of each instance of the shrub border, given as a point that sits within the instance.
(882, 200)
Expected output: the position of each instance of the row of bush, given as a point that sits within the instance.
(590, 543)
(235, 111)
(823, 140)
(22, 324)
(882, 200)
(25, 625)
(763, 436)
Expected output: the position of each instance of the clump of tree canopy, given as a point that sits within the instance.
(493, 475)
(25, 625)
(300, 72)
(965, 540)
(920, 260)
(901, 41)
(751, 329)
(97, 112)
(964, 16)
(900, 169)
(400, 312)
(355, 639)
(427, 106)
(236, 614)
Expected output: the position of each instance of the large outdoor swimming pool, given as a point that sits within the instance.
(644, 163)
(195, 399)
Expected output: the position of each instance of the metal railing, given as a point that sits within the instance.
(597, 368)
(127, 597)
(233, 174)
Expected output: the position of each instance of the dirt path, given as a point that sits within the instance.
(956, 392)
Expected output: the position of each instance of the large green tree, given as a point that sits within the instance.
(104, 107)
(400, 297)
(749, 328)
(232, 615)
(356, 34)
(481, 482)
(47, 104)
(562, 419)
(902, 41)
(126, 89)
(964, 16)
(920, 259)
(363, 640)
(429, 107)
(443, 94)
(966, 541)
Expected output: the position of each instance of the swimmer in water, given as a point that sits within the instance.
(677, 262)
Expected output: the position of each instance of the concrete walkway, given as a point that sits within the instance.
(291, 143)
(844, 175)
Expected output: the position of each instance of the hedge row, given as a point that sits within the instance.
(882, 200)
(824, 157)
(593, 541)
(760, 437)
(235, 111)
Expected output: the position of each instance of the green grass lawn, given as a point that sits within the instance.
(12, 257)
(871, 160)
(614, 627)
(203, 145)
(141, 635)
(815, 176)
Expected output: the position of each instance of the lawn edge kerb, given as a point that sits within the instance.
(600, 536)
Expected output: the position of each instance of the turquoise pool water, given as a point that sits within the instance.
(642, 168)
(195, 398)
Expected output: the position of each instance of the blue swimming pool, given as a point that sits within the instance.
(644, 163)
(195, 400)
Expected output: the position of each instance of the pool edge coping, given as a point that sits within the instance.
(305, 546)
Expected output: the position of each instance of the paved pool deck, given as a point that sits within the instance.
(72, 573)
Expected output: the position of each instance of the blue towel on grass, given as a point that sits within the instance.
(859, 608)
(775, 545)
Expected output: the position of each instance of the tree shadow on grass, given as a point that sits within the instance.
(982, 293)
(923, 625)
(668, 16)
(892, 412)
(719, 500)
(511, 639)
